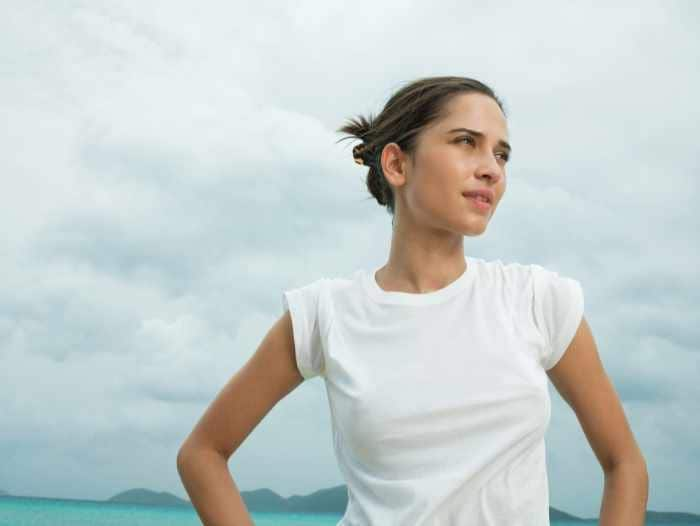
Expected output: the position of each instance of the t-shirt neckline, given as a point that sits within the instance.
(425, 298)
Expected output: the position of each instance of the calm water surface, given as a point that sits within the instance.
(27, 511)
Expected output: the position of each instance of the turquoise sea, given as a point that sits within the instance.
(32, 511)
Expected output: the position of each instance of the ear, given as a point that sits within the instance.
(394, 162)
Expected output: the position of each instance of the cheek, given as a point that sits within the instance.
(439, 180)
(502, 190)
(445, 159)
(439, 197)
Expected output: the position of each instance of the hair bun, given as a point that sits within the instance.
(359, 152)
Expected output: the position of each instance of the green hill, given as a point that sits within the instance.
(335, 500)
(146, 496)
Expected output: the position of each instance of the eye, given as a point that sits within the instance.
(470, 140)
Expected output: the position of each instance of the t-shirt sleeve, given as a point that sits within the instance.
(303, 304)
(558, 311)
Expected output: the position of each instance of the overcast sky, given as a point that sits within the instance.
(169, 168)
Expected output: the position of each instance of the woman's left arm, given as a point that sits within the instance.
(582, 382)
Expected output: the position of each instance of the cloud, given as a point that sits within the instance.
(169, 170)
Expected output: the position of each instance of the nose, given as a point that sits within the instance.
(490, 170)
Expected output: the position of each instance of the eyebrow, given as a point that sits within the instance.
(501, 142)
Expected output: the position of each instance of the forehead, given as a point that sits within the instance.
(472, 110)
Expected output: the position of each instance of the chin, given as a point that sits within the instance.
(475, 230)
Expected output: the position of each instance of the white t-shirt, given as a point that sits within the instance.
(439, 401)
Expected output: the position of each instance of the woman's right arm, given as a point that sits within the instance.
(202, 461)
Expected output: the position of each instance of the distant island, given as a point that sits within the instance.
(148, 497)
(333, 500)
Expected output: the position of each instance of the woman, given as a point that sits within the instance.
(436, 363)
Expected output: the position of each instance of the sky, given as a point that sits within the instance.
(169, 168)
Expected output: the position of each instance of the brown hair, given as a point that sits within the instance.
(404, 116)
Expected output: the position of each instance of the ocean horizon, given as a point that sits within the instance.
(44, 511)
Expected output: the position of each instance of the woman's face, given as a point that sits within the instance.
(448, 163)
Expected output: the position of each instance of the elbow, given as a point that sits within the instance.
(188, 452)
(180, 460)
(635, 464)
(185, 452)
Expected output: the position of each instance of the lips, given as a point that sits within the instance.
(484, 192)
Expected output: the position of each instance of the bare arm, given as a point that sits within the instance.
(211, 488)
(268, 376)
(582, 382)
